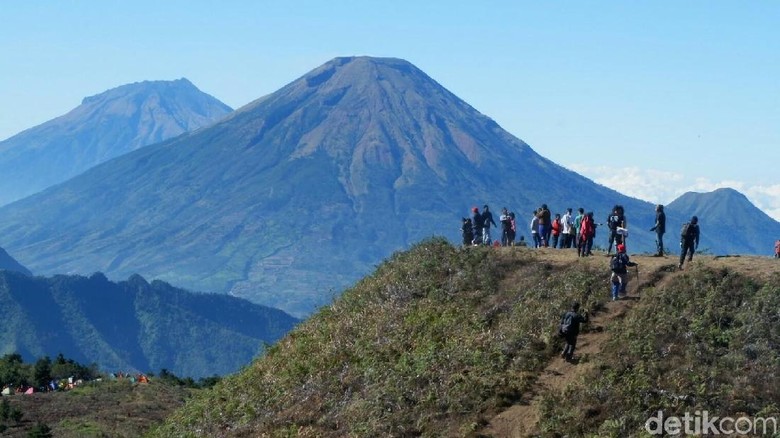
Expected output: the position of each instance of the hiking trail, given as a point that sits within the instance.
(522, 418)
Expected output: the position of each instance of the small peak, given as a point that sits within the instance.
(138, 281)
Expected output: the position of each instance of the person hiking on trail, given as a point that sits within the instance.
(545, 224)
(619, 266)
(660, 229)
(567, 230)
(570, 329)
(777, 249)
(476, 221)
(467, 230)
(487, 219)
(506, 227)
(535, 230)
(689, 240)
(556, 230)
(615, 220)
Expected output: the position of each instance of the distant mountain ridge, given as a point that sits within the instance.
(298, 194)
(133, 325)
(104, 126)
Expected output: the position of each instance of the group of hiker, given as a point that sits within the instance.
(558, 231)
(476, 229)
(572, 231)
(578, 231)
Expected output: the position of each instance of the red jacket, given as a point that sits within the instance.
(556, 227)
(586, 228)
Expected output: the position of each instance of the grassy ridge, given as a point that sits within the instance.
(440, 339)
(708, 340)
(432, 341)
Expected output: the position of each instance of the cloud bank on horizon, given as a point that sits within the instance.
(663, 187)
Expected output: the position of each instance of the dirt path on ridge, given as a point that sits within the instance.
(521, 420)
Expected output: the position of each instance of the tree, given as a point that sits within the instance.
(42, 371)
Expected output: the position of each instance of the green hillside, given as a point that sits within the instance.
(442, 341)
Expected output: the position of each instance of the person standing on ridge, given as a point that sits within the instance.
(567, 222)
(545, 225)
(487, 219)
(467, 230)
(587, 231)
(506, 226)
(577, 226)
(615, 220)
(556, 230)
(660, 229)
(570, 329)
(777, 249)
(476, 221)
(689, 240)
(535, 230)
(512, 229)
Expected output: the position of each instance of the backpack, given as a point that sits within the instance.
(586, 226)
(613, 221)
(618, 264)
(566, 324)
(686, 231)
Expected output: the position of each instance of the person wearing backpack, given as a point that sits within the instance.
(569, 329)
(619, 264)
(689, 240)
(660, 229)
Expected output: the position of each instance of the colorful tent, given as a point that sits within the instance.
(30, 390)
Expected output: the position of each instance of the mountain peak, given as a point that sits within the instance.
(104, 126)
(143, 87)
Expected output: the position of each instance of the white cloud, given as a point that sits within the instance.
(662, 187)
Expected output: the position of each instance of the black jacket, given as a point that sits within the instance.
(692, 238)
(577, 319)
(487, 219)
(660, 223)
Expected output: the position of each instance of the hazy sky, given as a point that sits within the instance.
(652, 98)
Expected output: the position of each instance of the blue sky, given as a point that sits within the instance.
(652, 98)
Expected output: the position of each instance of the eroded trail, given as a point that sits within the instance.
(521, 419)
